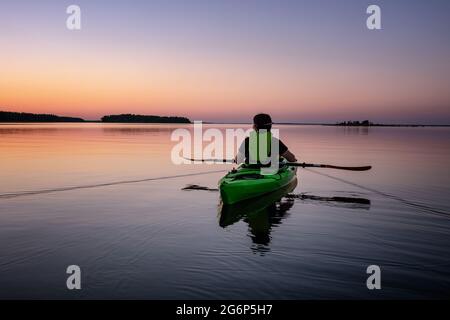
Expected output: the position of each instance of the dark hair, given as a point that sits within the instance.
(262, 121)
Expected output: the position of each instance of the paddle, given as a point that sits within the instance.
(292, 164)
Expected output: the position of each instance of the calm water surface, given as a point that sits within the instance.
(151, 239)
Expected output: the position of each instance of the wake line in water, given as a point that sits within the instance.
(387, 195)
(107, 184)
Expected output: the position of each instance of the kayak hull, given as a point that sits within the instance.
(229, 214)
(247, 183)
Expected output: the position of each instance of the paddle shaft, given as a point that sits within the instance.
(212, 160)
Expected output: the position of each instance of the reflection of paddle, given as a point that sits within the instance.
(293, 164)
(345, 202)
(300, 196)
(303, 196)
(197, 187)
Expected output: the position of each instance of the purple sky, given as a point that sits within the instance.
(301, 61)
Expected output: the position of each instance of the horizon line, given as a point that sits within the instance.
(229, 122)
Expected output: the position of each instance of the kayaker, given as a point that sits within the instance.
(262, 125)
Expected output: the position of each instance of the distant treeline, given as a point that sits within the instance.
(135, 118)
(32, 117)
(6, 116)
(367, 123)
(364, 123)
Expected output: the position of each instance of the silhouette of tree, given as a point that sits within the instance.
(135, 118)
(32, 117)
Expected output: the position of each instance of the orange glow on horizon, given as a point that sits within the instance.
(93, 84)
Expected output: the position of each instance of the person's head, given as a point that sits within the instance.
(262, 121)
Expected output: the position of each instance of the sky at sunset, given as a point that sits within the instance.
(301, 61)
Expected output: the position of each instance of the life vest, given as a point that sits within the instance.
(260, 147)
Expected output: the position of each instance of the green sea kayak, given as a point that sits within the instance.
(247, 183)
(251, 209)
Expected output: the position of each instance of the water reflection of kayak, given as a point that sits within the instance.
(261, 214)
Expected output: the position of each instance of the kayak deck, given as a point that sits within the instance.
(247, 183)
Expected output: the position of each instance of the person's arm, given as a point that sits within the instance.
(285, 153)
(289, 156)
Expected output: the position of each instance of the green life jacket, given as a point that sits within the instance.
(260, 145)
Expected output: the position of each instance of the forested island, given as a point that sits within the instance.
(365, 123)
(136, 118)
(6, 116)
